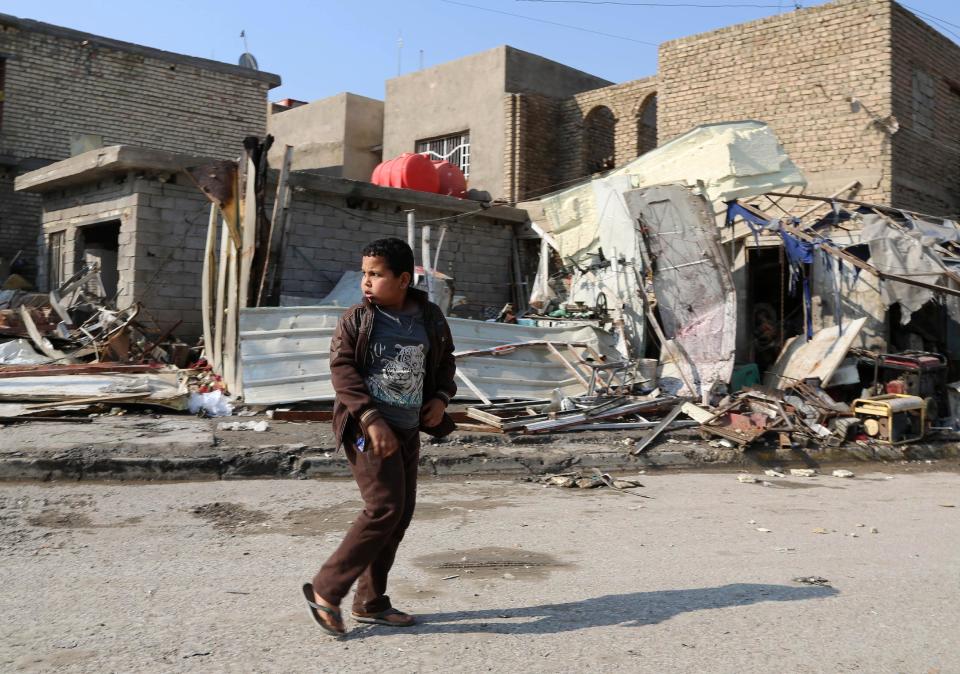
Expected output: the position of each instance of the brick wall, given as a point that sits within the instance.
(18, 223)
(551, 142)
(530, 166)
(821, 77)
(60, 83)
(926, 102)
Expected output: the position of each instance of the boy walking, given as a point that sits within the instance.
(392, 367)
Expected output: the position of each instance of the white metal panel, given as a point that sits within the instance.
(285, 352)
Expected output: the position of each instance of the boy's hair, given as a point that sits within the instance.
(396, 252)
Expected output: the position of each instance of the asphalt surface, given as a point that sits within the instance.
(506, 576)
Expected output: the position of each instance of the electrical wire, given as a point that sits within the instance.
(658, 4)
(936, 20)
(551, 23)
(919, 11)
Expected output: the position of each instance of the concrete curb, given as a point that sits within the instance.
(448, 459)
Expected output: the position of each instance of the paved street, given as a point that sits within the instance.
(506, 576)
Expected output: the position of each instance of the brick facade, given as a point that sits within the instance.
(821, 78)
(61, 83)
(554, 141)
(926, 149)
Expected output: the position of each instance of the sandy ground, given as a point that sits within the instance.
(505, 576)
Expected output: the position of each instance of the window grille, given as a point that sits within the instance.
(455, 149)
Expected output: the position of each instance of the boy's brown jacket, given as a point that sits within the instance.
(354, 409)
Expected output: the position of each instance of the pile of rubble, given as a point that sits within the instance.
(71, 352)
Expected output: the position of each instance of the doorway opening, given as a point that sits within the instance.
(100, 243)
(776, 315)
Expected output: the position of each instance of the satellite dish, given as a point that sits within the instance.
(248, 61)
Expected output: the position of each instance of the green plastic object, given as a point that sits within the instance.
(743, 376)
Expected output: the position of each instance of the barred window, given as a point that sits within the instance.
(454, 148)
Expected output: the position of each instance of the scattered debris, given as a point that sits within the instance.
(747, 479)
(577, 479)
(812, 580)
(840, 472)
(256, 426)
(803, 472)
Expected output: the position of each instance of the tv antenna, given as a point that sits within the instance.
(247, 60)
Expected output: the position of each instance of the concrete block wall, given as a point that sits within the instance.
(327, 235)
(821, 77)
(167, 253)
(926, 161)
(70, 210)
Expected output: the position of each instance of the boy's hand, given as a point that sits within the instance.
(383, 438)
(432, 413)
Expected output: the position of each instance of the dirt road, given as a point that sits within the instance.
(506, 576)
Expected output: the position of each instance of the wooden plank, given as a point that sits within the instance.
(39, 340)
(568, 365)
(226, 243)
(230, 354)
(208, 278)
(303, 415)
(265, 288)
(658, 430)
(248, 235)
(470, 385)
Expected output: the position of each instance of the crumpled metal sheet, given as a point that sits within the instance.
(285, 355)
(692, 282)
(895, 252)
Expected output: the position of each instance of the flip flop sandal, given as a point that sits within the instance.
(313, 607)
(381, 618)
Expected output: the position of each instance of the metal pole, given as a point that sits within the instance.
(425, 254)
(411, 229)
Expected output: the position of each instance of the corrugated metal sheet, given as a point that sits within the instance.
(285, 355)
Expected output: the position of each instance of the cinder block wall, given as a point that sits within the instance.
(326, 237)
(70, 210)
(926, 103)
(163, 227)
(821, 77)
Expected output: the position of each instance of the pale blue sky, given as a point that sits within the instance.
(324, 47)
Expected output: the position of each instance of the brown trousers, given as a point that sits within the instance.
(389, 491)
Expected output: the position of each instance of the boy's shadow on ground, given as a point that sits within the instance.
(633, 609)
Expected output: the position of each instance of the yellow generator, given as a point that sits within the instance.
(892, 419)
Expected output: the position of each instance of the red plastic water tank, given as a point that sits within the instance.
(452, 181)
(408, 171)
